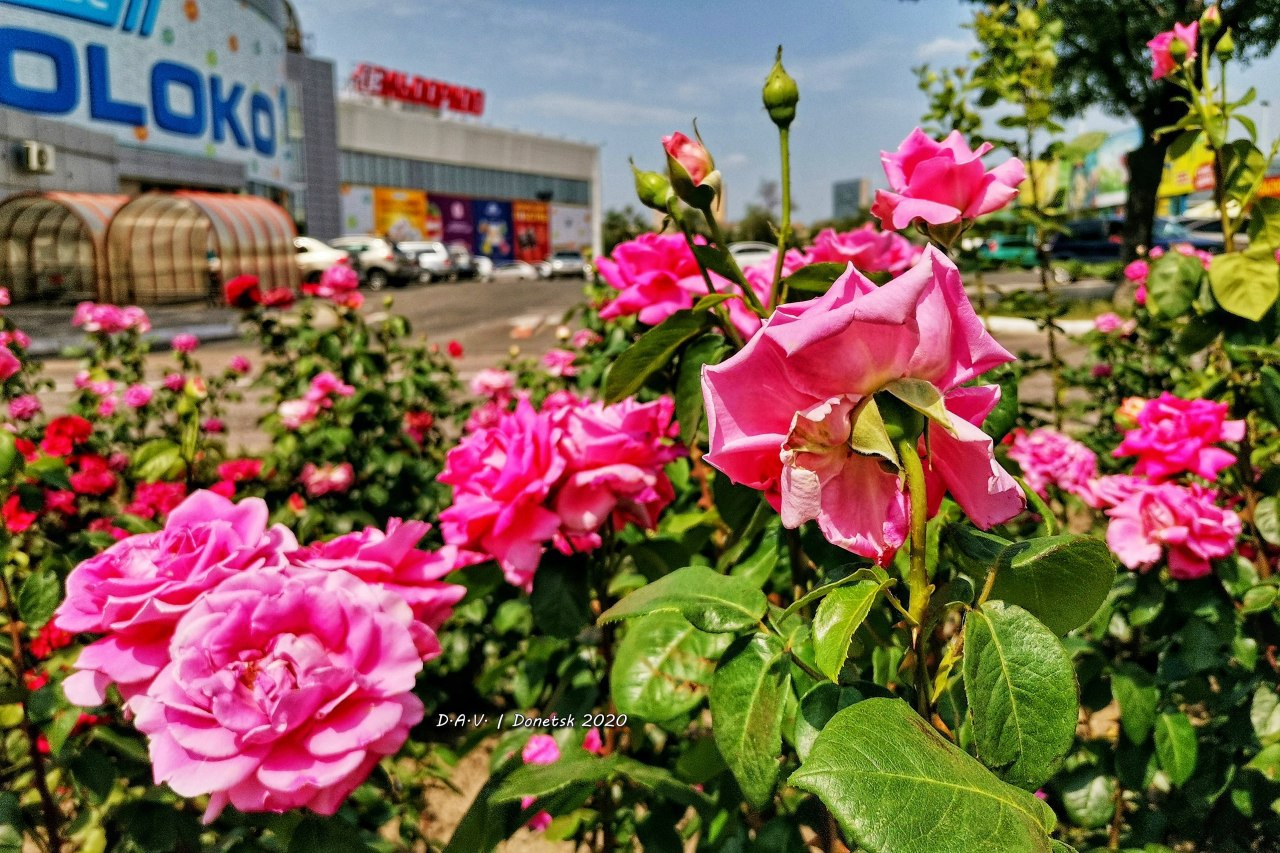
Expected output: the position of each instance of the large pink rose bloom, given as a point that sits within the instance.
(138, 589)
(1162, 61)
(1046, 457)
(502, 475)
(283, 692)
(1175, 435)
(9, 363)
(942, 182)
(614, 463)
(1180, 523)
(393, 561)
(780, 410)
(868, 249)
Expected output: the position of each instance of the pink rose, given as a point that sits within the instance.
(584, 338)
(175, 382)
(493, 383)
(239, 364)
(295, 413)
(1162, 60)
(1175, 435)
(502, 476)
(138, 589)
(1107, 323)
(4, 296)
(185, 343)
(692, 156)
(780, 411)
(213, 425)
(338, 279)
(1047, 456)
(24, 408)
(942, 182)
(559, 362)
(106, 407)
(1110, 490)
(868, 249)
(392, 561)
(614, 457)
(137, 396)
(110, 319)
(9, 363)
(325, 385)
(283, 692)
(539, 750)
(647, 272)
(1182, 524)
(327, 479)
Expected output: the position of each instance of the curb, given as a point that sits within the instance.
(54, 347)
(1025, 326)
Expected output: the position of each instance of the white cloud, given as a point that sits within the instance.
(943, 46)
(735, 160)
(599, 110)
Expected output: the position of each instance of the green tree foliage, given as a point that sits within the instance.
(622, 225)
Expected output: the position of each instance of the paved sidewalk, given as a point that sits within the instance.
(51, 332)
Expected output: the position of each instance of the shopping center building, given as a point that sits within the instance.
(104, 100)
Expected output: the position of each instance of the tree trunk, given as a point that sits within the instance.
(1146, 168)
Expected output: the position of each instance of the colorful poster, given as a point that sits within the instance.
(400, 215)
(449, 217)
(1108, 169)
(357, 209)
(495, 232)
(533, 226)
(570, 227)
(1191, 172)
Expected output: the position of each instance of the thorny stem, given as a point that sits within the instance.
(918, 574)
(778, 294)
(796, 553)
(52, 815)
(722, 245)
(729, 329)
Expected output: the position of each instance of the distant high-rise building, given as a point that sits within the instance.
(849, 198)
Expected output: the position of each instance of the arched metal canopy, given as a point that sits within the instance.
(160, 245)
(53, 245)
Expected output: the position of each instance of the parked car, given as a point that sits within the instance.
(464, 263)
(314, 257)
(751, 252)
(433, 259)
(484, 267)
(566, 263)
(1101, 240)
(514, 271)
(378, 261)
(1008, 249)
(1210, 231)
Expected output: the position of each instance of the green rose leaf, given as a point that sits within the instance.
(896, 786)
(1267, 519)
(1176, 746)
(1022, 692)
(1267, 762)
(1264, 713)
(1136, 693)
(1061, 580)
(652, 353)
(39, 597)
(1245, 283)
(709, 600)
(559, 601)
(748, 692)
(160, 459)
(817, 707)
(1089, 797)
(839, 615)
(663, 667)
(690, 411)
(1173, 284)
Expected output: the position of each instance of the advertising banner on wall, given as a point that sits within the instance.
(533, 226)
(495, 232)
(449, 218)
(357, 209)
(400, 214)
(570, 227)
(1189, 173)
(204, 78)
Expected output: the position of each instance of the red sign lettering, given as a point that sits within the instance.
(411, 89)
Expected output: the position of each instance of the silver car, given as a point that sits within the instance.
(378, 261)
(565, 264)
(433, 259)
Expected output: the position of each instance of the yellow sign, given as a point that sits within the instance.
(1189, 173)
(400, 215)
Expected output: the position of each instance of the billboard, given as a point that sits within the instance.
(200, 78)
(570, 227)
(400, 215)
(449, 218)
(532, 230)
(1189, 173)
(357, 209)
(495, 231)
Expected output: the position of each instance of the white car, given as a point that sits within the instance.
(484, 267)
(315, 257)
(751, 252)
(514, 271)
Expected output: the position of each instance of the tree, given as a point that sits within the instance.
(621, 226)
(1103, 62)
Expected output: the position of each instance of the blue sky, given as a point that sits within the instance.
(622, 73)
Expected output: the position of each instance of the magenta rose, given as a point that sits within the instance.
(867, 248)
(1175, 435)
(1182, 524)
(1111, 490)
(327, 479)
(185, 343)
(137, 396)
(393, 561)
(539, 750)
(615, 457)
(9, 363)
(25, 408)
(1046, 457)
(502, 475)
(780, 411)
(138, 589)
(1163, 62)
(559, 362)
(282, 692)
(942, 182)
(647, 272)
